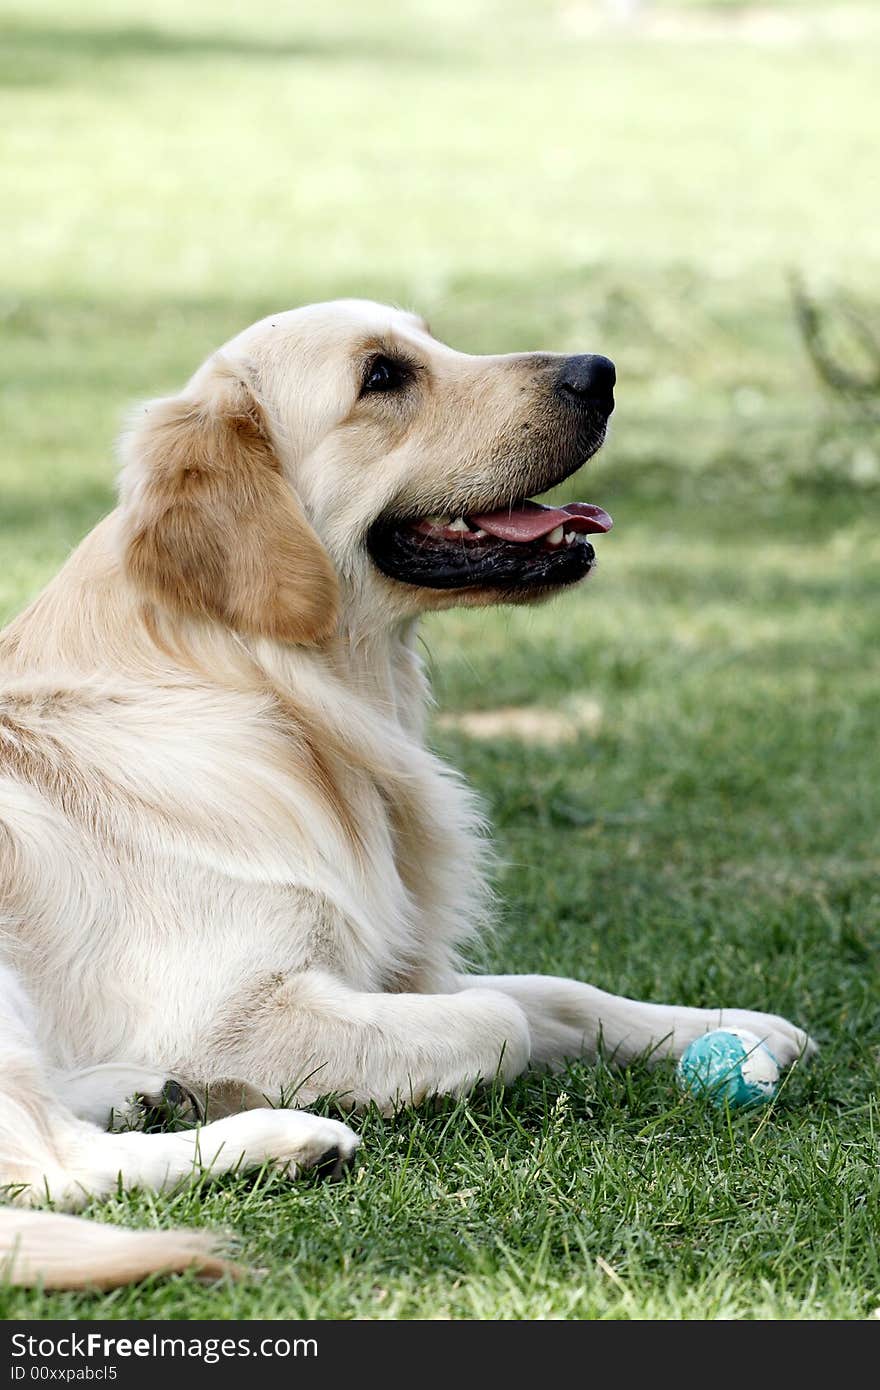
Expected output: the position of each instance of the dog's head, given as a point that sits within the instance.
(340, 457)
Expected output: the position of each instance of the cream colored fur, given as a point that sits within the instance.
(226, 853)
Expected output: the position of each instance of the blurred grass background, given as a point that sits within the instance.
(692, 811)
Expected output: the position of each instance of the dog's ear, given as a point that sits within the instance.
(211, 526)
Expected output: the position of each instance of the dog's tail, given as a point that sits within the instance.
(46, 1151)
(67, 1252)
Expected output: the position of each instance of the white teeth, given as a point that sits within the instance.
(479, 531)
(459, 524)
(569, 537)
(555, 536)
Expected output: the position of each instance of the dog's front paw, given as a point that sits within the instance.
(295, 1141)
(328, 1150)
(785, 1040)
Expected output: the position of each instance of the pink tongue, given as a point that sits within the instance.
(532, 520)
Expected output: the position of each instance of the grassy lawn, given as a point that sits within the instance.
(701, 826)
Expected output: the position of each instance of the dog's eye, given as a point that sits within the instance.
(382, 375)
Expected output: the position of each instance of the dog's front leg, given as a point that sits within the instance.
(309, 1035)
(568, 1019)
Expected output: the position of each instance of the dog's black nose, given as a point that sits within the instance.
(588, 380)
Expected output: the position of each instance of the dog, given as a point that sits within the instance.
(229, 862)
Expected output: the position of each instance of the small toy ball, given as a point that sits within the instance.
(731, 1067)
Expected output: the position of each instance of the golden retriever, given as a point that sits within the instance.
(228, 860)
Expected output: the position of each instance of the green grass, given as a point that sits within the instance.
(713, 836)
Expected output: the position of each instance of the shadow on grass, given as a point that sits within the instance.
(40, 55)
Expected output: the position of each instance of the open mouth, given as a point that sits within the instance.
(523, 546)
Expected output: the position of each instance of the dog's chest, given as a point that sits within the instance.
(402, 861)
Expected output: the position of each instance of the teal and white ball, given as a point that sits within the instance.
(731, 1067)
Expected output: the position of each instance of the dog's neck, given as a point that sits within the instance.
(387, 669)
(353, 709)
(89, 623)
